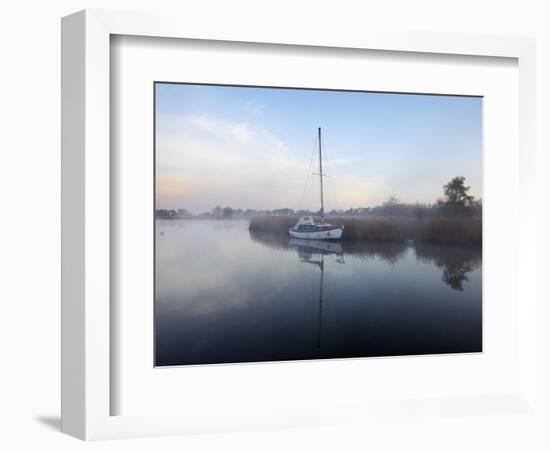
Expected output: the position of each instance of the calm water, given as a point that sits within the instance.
(224, 295)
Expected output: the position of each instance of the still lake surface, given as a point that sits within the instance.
(225, 295)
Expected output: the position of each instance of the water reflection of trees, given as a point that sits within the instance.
(455, 262)
(390, 252)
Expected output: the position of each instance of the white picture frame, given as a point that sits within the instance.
(86, 221)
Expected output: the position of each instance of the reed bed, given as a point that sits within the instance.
(436, 230)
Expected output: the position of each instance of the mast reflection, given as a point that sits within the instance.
(314, 252)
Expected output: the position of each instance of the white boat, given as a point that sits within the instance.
(307, 227)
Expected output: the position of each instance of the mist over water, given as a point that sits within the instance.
(225, 295)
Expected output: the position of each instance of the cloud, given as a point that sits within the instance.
(203, 161)
(239, 131)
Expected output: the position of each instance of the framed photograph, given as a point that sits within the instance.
(266, 229)
(273, 243)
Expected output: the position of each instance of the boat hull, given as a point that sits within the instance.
(332, 234)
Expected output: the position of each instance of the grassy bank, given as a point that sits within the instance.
(443, 231)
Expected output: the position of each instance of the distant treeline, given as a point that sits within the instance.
(456, 203)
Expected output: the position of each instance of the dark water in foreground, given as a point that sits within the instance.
(224, 295)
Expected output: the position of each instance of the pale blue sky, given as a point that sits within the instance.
(251, 147)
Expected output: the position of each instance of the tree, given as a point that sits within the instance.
(227, 212)
(184, 214)
(390, 206)
(457, 201)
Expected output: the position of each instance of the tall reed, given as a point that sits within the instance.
(436, 230)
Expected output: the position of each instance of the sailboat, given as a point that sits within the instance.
(307, 227)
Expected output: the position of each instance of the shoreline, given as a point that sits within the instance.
(432, 230)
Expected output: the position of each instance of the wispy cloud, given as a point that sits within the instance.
(203, 160)
(239, 131)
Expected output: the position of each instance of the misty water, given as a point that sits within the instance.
(225, 295)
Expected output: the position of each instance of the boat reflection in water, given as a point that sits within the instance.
(314, 252)
(308, 249)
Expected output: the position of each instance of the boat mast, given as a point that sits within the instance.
(321, 178)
